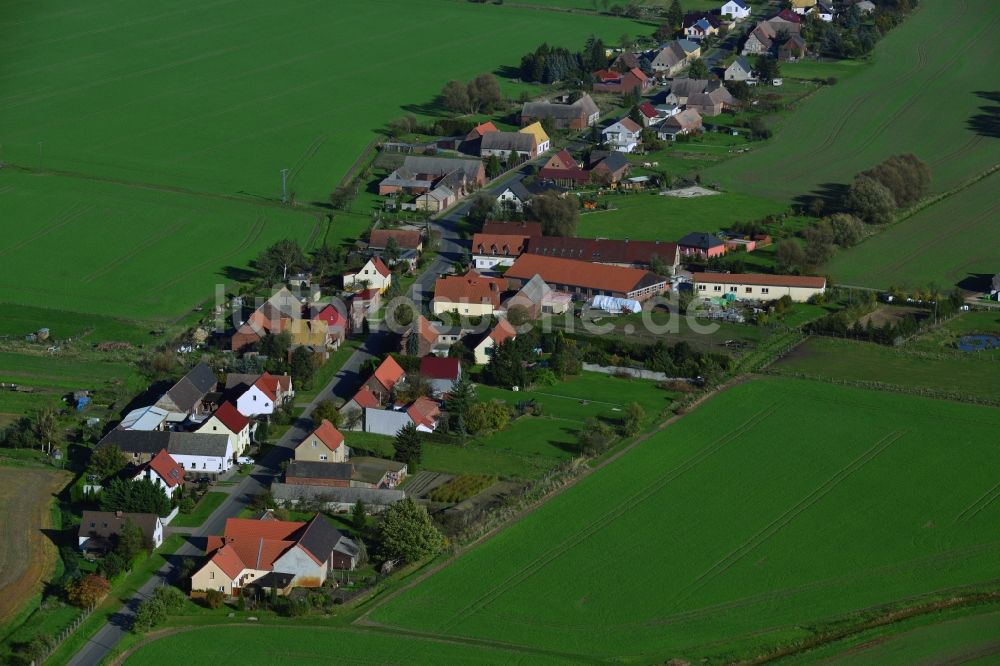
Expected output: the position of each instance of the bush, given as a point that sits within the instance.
(186, 505)
(87, 591)
(461, 487)
(214, 599)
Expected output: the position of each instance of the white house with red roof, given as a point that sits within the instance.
(373, 275)
(501, 333)
(324, 444)
(258, 395)
(424, 413)
(227, 420)
(165, 472)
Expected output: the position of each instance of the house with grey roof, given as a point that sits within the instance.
(420, 175)
(739, 70)
(579, 114)
(502, 144)
(195, 451)
(187, 396)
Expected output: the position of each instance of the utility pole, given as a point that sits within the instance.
(284, 186)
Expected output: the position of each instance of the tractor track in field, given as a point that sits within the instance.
(621, 508)
(246, 243)
(63, 219)
(987, 498)
(135, 250)
(304, 158)
(790, 514)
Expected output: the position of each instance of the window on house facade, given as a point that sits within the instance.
(211, 575)
(702, 287)
(749, 290)
(717, 287)
(322, 456)
(764, 290)
(732, 289)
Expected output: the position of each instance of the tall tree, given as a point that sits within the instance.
(871, 201)
(790, 256)
(461, 398)
(484, 93)
(675, 15)
(283, 258)
(391, 252)
(558, 215)
(141, 496)
(455, 97)
(406, 533)
(698, 69)
(302, 366)
(106, 461)
(408, 446)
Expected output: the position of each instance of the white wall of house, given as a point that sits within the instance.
(466, 309)
(735, 11)
(254, 403)
(509, 199)
(239, 440)
(369, 274)
(297, 562)
(157, 481)
(754, 292)
(487, 262)
(206, 464)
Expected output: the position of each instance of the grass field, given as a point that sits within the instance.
(154, 136)
(655, 217)
(959, 374)
(27, 555)
(202, 510)
(312, 645)
(941, 245)
(891, 107)
(734, 530)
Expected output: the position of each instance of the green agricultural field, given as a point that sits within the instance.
(286, 644)
(62, 325)
(734, 530)
(963, 375)
(893, 106)
(654, 217)
(217, 99)
(943, 245)
(967, 638)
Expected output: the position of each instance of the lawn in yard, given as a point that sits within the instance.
(202, 510)
(743, 531)
(651, 216)
(892, 106)
(957, 374)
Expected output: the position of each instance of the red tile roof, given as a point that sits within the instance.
(502, 332)
(241, 528)
(332, 316)
(497, 244)
(806, 281)
(424, 411)
(469, 288)
(607, 75)
(789, 15)
(329, 435)
(648, 110)
(169, 469)
(436, 367)
(581, 274)
(380, 267)
(485, 128)
(500, 228)
(602, 250)
(639, 74)
(406, 239)
(365, 398)
(268, 384)
(389, 372)
(231, 418)
(227, 559)
(630, 124)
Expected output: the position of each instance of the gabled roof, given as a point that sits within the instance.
(700, 240)
(738, 3)
(424, 411)
(144, 418)
(647, 110)
(332, 316)
(405, 238)
(167, 468)
(378, 265)
(110, 523)
(535, 290)
(329, 435)
(484, 128)
(581, 274)
(582, 108)
(281, 530)
(509, 141)
(514, 228)
(268, 385)
(389, 372)
(192, 387)
(198, 444)
(536, 130)
(496, 244)
(503, 332)
(365, 398)
(614, 161)
(742, 63)
(311, 469)
(788, 15)
(320, 539)
(229, 561)
(436, 367)
(602, 250)
(469, 288)
(627, 123)
(230, 417)
(687, 119)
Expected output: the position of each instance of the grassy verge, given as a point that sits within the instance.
(328, 370)
(205, 507)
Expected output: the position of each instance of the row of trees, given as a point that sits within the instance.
(557, 215)
(548, 64)
(29, 432)
(898, 182)
(286, 257)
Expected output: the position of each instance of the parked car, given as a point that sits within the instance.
(245, 460)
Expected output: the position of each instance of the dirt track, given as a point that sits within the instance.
(26, 553)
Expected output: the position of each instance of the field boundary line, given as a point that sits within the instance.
(616, 512)
(364, 619)
(776, 525)
(74, 212)
(989, 496)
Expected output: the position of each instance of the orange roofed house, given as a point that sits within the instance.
(273, 554)
(610, 81)
(470, 294)
(584, 279)
(163, 471)
(324, 444)
(384, 379)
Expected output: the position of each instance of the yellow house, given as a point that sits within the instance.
(308, 333)
(375, 274)
(227, 420)
(500, 334)
(324, 444)
(469, 295)
(541, 138)
(803, 6)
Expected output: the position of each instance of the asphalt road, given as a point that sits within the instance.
(343, 384)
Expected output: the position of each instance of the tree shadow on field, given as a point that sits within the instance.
(508, 72)
(987, 121)
(237, 273)
(977, 282)
(434, 108)
(833, 196)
